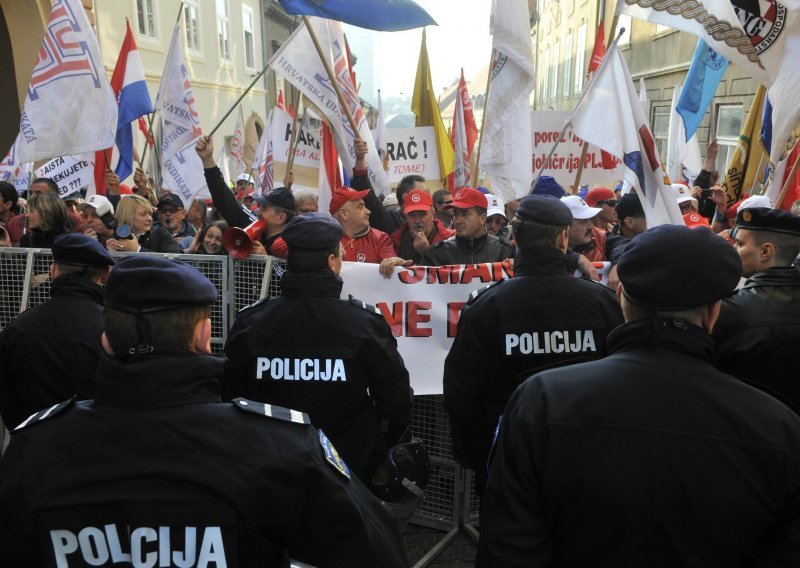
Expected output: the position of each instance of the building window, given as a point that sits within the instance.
(567, 81)
(248, 22)
(624, 22)
(728, 128)
(146, 16)
(580, 59)
(554, 71)
(191, 24)
(661, 128)
(545, 73)
(223, 29)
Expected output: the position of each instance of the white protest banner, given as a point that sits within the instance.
(70, 173)
(422, 305)
(411, 151)
(546, 126)
(307, 151)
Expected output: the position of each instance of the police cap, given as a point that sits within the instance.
(142, 283)
(79, 250)
(545, 210)
(312, 231)
(765, 219)
(278, 197)
(654, 276)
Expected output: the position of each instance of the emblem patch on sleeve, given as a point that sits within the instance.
(332, 456)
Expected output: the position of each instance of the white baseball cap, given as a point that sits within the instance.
(579, 208)
(496, 206)
(683, 194)
(101, 205)
(245, 177)
(756, 201)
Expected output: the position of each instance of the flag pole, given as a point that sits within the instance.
(474, 179)
(342, 105)
(293, 138)
(585, 148)
(787, 184)
(236, 103)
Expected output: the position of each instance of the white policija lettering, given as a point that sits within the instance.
(301, 369)
(148, 547)
(545, 342)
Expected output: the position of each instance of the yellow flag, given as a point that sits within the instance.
(749, 159)
(425, 106)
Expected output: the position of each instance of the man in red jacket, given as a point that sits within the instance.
(421, 229)
(361, 243)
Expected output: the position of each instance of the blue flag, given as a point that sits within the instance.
(702, 80)
(378, 15)
(766, 126)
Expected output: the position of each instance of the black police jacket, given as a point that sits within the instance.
(456, 250)
(648, 457)
(758, 333)
(157, 472)
(334, 359)
(540, 318)
(49, 352)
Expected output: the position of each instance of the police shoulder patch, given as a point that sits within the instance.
(271, 411)
(332, 456)
(476, 294)
(45, 414)
(363, 305)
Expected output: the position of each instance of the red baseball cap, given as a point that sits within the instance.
(694, 220)
(468, 197)
(125, 189)
(597, 195)
(342, 195)
(417, 200)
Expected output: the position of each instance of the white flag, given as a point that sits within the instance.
(70, 107)
(264, 158)
(643, 100)
(223, 163)
(676, 139)
(13, 172)
(461, 173)
(298, 62)
(237, 146)
(181, 167)
(609, 116)
(506, 147)
(380, 128)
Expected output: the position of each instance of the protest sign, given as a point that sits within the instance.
(70, 173)
(307, 152)
(546, 127)
(411, 151)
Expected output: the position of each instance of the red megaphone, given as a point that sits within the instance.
(239, 242)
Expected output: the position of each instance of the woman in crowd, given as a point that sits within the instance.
(137, 213)
(209, 239)
(46, 219)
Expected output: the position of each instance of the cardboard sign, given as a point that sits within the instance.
(412, 151)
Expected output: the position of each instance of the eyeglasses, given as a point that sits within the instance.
(609, 202)
(167, 210)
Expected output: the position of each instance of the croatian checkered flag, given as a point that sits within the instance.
(70, 107)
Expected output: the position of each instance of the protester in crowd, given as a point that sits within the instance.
(540, 318)
(694, 220)
(50, 351)
(353, 378)
(471, 244)
(707, 179)
(244, 187)
(209, 240)
(421, 229)
(165, 469)
(46, 219)
(687, 202)
(9, 199)
(604, 199)
(584, 237)
(547, 185)
(306, 201)
(197, 213)
(16, 225)
(136, 214)
(172, 216)
(496, 220)
(441, 199)
(632, 222)
(650, 456)
(390, 202)
(98, 218)
(144, 187)
(276, 208)
(758, 331)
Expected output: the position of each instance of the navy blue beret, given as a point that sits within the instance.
(766, 219)
(278, 197)
(629, 206)
(142, 283)
(672, 267)
(547, 185)
(79, 250)
(312, 231)
(544, 209)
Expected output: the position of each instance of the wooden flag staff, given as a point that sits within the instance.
(474, 179)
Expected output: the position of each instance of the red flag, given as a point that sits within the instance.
(330, 175)
(291, 110)
(281, 105)
(144, 130)
(599, 50)
(793, 193)
(470, 128)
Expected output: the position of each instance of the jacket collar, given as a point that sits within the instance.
(159, 379)
(676, 335)
(311, 284)
(539, 262)
(76, 286)
(472, 244)
(778, 276)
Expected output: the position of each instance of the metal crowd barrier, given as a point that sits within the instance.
(450, 504)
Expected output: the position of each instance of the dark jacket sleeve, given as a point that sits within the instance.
(703, 179)
(224, 200)
(379, 217)
(161, 240)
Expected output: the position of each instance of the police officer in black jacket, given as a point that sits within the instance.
(156, 471)
(49, 352)
(334, 359)
(758, 333)
(541, 318)
(650, 456)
